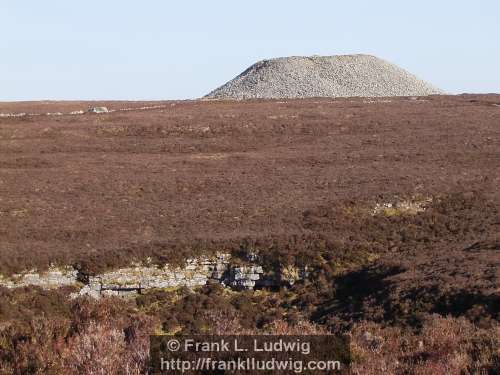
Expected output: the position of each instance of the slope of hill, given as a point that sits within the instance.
(379, 218)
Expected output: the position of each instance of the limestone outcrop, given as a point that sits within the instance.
(137, 278)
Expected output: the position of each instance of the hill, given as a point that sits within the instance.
(323, 76)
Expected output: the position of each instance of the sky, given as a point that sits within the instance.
(154, 49)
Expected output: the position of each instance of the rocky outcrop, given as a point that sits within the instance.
(137, 278)
(52, 278)
(131, 280)
(244, 277)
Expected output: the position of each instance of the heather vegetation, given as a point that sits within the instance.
(111, 335)
(398, 249)
(385, 282)
(101, 191)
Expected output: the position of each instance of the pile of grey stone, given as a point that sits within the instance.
(98, 110)
(323, 76)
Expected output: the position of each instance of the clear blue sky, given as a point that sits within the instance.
(123, 49)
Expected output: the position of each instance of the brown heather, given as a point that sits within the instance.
(298, 183)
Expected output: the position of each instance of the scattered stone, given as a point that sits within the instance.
(22, 114)
(98, 110)
(404, 207)
(376, 101)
